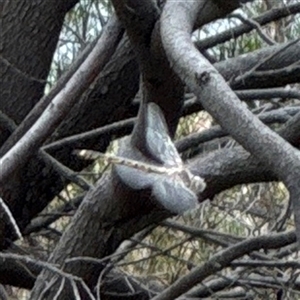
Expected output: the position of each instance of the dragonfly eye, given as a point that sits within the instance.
(197, 184)
(193, 182)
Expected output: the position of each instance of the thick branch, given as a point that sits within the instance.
(26, 51)
(219, 100)
(29, 144)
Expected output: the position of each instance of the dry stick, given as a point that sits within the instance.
(194, 139)
(48, 266)
(202, 233)
(159, 252)
(285, 71)
(255, 25)
(91, 134)
(20, 72)
(48, 286)
(115, 257)
(268, 93)
(98, 260)
(255, 69)
(284, 264)
(62, 284)
(75, 290)
(55, 113)
(293, 125)
(11, 219)
(267, 17)
(6, 123)
(64, 171)
(214, 285)
(39, 222)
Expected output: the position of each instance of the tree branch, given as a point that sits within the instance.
(222, 259)
(29, 144)
(267, 17)
(273, 151)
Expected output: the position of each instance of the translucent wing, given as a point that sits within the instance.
(158, 140)
(169, 192)
(134, 178)
(173, 195)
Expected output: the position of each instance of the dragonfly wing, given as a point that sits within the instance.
(158, 141)
(173, 195)
(134, 178)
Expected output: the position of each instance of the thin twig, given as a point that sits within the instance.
(11, 219)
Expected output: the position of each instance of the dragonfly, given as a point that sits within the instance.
(178, 173)
(173, 186)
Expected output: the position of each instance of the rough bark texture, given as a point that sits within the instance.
(26, 53)
(28, 48)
